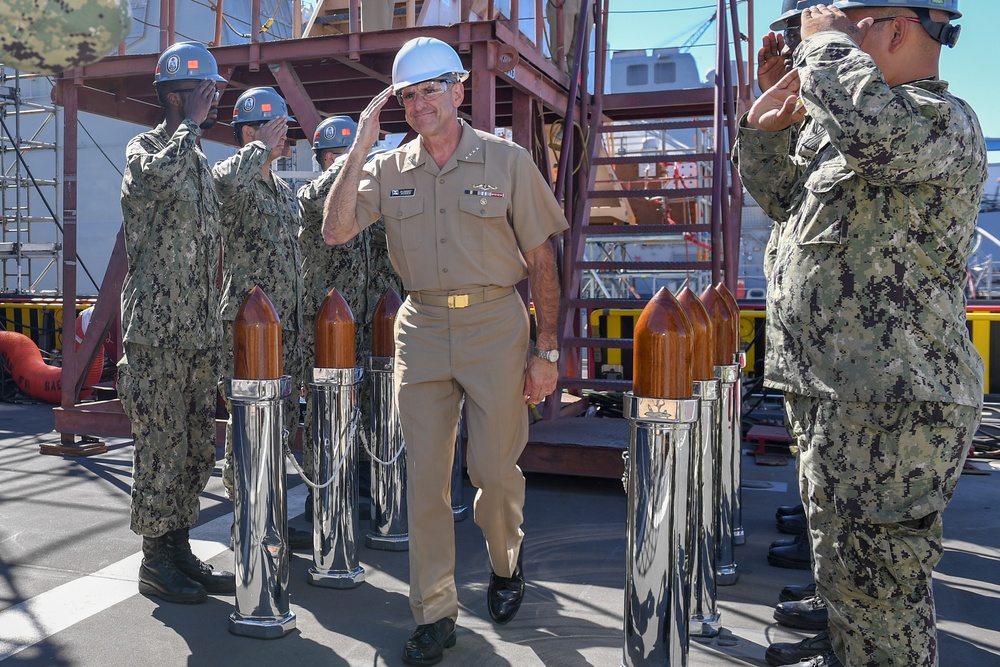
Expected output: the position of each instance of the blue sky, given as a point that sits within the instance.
(970, 68)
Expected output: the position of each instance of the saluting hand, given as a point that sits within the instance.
(771, 66)
(368, 123)
(824, 19)
(776, 109)
(273, 132)
(200, 101)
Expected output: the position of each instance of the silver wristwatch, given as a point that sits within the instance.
(547, 355)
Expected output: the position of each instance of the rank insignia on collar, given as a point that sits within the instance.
(472, 152)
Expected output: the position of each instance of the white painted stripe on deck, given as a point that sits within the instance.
(32, 621)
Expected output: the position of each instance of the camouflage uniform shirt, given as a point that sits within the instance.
(360, 269)
(172, 237)
(875, 199)
(260, 222)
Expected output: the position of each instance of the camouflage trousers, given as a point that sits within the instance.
(875, 479)
(170, 397)
(291, 364)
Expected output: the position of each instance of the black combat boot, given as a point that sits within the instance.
(159, 576)
(216, 582)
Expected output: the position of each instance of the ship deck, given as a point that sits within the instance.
(68, 566)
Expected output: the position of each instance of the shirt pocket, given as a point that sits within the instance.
(402, 224)
(480, 218)
(826, 209)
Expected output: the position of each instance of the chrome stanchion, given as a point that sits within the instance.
(706, 620)
(663, 434)
(739, 536)
(335, 527)
(259, 508)
(729, 436)
(388, 530)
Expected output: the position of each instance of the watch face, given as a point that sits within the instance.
(548, 355)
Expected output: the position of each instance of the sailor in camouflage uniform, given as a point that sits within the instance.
(260, 221)
(874, 186)
(169, 375)
(359, 269)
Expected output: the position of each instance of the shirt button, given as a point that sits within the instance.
(441, 210)
(441, 181)
(444, 270)
(444, 240)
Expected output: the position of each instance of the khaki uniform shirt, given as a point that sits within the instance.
(875, 199)
(464, 225)
(173, 240)
(260, 224)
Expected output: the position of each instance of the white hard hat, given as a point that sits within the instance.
(423, 59)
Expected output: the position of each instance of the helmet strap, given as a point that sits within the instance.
(945, 33)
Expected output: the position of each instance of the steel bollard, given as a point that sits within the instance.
(706, 620)
(335, 427)
(389, 528)
(663, 435)
(335, 527)
(260, 508)
(663, 428)
(726, 573)
(739, 536)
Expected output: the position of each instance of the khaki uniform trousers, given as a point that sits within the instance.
(442, 353)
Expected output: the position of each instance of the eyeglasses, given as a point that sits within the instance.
(191, 90)
(912, 19)
(428, 91)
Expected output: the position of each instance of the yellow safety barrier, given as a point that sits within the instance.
(611, 362)
(38, 319)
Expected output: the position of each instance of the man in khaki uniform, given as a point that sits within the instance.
(467, 217)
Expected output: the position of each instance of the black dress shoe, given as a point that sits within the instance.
(807, 614)
(506, 593)
(793, 653)
(794, 556)
(796, 592)
(789, 510)
(794, 524)
(427, 643)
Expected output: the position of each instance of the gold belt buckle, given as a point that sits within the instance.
(458, 300)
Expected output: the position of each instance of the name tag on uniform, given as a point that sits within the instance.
(408, 192)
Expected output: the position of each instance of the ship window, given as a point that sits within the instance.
(664, 72)
(637, 75)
